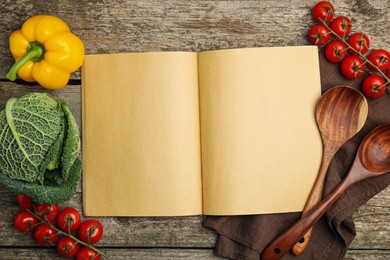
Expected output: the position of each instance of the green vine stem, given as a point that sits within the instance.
(365, 59)
(60, 232)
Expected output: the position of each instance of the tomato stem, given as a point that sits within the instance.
(60, 232)
(365, 59)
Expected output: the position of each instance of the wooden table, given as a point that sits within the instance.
(112, 26)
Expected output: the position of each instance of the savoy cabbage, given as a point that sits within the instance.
(39, 147)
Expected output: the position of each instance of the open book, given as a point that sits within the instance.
(226, 132)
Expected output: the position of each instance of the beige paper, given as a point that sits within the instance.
(261, 148)
(141, 147)
(143, 134)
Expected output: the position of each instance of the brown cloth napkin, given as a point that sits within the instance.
(244, 237)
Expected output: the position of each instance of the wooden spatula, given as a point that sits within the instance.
(340, 113)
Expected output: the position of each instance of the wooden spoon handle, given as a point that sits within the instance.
(314, 198)
(301, 245)
(286, 241)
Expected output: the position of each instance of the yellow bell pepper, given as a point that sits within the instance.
(45, 51)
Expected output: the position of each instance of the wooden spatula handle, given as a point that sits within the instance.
(286, 241)
(314, 198)
(301, 245)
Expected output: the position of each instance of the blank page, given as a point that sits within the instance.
(261, 148)
(141, 144)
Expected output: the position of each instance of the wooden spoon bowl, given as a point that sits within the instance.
(374, 152)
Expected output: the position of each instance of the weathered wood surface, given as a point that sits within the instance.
(152, 254)
(122, 26)
(372, 225)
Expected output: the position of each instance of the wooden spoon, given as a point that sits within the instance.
(340, 113)
(372, 159)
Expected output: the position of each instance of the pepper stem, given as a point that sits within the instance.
(35, 52)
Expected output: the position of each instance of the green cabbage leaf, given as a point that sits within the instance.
(39, 147)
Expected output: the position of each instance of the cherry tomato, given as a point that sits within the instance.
(46, 211)
(68, 219)
(319, 34)
(91, 231)
(388, 73)
(335, 51)
(359, 43)
(341, 25)
(373, 86)
(379, 58)
(67, 247)
(352, 67)
(323, 11)
(45, 235)
(86, 253)
(24, 201)
(24, 221)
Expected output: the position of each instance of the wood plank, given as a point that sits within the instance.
(126, 232)
(49, 253)
(372, 222)
(372, 227)
(127, 26)
(161, 253)
(122, 26)
(367, 255)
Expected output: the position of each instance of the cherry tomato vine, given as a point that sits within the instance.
(52, 226)
(350, 50)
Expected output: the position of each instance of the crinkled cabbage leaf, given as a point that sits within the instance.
(39, 147)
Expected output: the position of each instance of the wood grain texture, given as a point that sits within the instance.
(144, 254)
(371, 221)
(110, 26)
(163, 253)
(119, 232)
(122, 26)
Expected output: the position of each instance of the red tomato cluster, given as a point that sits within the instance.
(52, 226)
(350, 50)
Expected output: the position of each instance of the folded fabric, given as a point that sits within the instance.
(245, 237)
